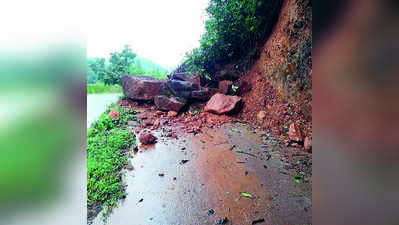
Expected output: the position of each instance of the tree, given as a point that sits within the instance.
(98, 68)
(120, 63)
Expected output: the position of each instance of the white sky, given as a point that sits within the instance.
(156, 29)
(160, 30)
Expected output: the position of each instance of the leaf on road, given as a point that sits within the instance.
(246, 195)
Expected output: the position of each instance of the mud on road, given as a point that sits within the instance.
(199, 178)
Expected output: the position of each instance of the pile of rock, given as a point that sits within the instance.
(180, 89)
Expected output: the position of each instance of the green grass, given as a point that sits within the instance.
(100, 88)
(154, 75)
(108, 144)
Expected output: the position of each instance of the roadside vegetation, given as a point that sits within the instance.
(108, 147)
(103, 75)
(100, 88)
(234, 31)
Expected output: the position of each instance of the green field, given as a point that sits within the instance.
(100, 88)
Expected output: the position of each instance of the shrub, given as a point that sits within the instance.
(233, 29)
(108, 142)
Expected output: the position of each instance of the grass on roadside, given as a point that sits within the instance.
(100, 88)
(108, 142)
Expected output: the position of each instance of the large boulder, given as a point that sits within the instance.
(180, 85)
(168, 103)
(224, 104)
(185, 77)
(142, 87)
(202, 95)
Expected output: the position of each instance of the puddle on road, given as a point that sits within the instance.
(213, 178)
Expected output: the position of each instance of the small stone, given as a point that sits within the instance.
(159, 113)
(113, 114)
(261, 115)
(172, 114)
(295, 132)
(156, 125)
(142, 116)
(184, 161)
(308, 144)
(222, 221)
(147, 138)
(211, 212)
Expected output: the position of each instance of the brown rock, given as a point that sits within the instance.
(147, 123)
(142, 87)
(172, 114)
(261, 115)
(168, 103)
(185, 77)
(147, 138)
(156, 124)
(142, 116)
(220, 104)
(295, 132)
(159, 113)
(308, 144)
(113, 114)
(225, 87)
(204, 94)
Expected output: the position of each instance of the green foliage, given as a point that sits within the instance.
(99, 88)
(108, 143)
(238, 150)
(119, 65)
(110, 71)
(232, 31)
(247, 195)
(234, 88)
(97, 66)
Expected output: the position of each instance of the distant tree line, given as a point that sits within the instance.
(109, 71)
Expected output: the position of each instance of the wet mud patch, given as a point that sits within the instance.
(231, 171)
(246, 180)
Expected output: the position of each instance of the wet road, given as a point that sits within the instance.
(97, 104)
(213, 178)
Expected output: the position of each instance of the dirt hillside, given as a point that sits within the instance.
(282, 71)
